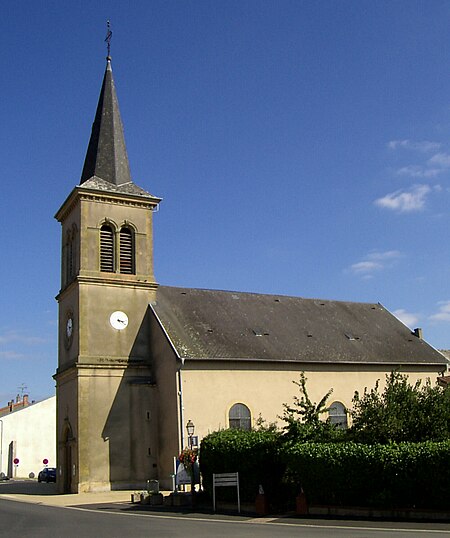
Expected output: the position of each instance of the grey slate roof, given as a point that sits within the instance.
(209, 324)
(99, 184)
(106, 156)
(106, 164)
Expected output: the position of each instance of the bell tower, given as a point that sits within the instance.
(104, 380)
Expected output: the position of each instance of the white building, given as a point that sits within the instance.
(29, 436)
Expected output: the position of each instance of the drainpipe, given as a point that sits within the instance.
(180, 403)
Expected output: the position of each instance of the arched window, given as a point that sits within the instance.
(338, 415)
(69, 256)
(106, 249)
(240, 417)
(126, 262)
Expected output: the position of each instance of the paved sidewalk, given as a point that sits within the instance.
(33, 492)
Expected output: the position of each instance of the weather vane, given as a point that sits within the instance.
(108, 37)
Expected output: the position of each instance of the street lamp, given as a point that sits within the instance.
(190, 430)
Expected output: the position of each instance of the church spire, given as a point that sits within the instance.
(106, 156)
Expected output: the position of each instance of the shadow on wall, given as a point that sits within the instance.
(131, 428)
(11, 455)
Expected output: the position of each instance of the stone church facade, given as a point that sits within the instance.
(137, 360)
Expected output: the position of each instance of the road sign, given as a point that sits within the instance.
(45, 461)
(16, 461)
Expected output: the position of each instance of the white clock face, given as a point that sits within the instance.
(118, 320)
(69, 327)
(68, 337)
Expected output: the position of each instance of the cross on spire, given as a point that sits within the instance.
(108, 38)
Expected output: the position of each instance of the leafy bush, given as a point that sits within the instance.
(254, 454)
(403, 475)
(303, 418)
(402, 412)
(395, 455)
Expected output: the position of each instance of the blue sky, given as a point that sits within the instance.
(300, 147)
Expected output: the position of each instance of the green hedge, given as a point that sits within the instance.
(403, 475)
(254, 454)
(396, 475)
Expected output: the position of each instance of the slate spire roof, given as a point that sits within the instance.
(106, 165)
(106, 156)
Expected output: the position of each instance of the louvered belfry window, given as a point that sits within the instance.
(106, 249)
(126, 251)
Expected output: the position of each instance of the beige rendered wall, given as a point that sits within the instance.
(67, 419)
(33, 434)
(69, 307)
(107, 397)
(209, 390)
(165, 367)
(94, 212)
(117, 438)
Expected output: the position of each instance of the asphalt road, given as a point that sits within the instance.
(21, 519)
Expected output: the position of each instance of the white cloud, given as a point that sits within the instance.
(15, 336)
(386, 255)
(375, 261)
(16, 345)
(416, 170)
(440, 159)
(11, 355)
(405, 201)
(443, 313)
(423, 146)
(407, 318)
(366, 267)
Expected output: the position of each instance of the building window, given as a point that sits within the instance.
(338, 415)
(240, 417)
(126, 251)
(106, 249)
(69, 256)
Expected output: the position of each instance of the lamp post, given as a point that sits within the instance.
(190, 430)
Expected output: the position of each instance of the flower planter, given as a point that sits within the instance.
(261, 504)
(301, 506)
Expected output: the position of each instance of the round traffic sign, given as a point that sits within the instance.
(45, 461)
(16, 461)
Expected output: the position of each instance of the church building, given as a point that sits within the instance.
(137, 360)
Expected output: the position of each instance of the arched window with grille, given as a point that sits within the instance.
(126, 258)
(240, 417)
(338, 415)
(106, 249)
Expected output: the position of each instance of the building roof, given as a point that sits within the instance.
(99, 184)
(106, 166)
(210, 324)
(107, 156)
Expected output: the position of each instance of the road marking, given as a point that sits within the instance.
(262, 520)
(265, 521)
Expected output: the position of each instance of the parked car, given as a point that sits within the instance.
(48, 474)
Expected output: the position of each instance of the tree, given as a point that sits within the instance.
(303, 418)
(402, 412)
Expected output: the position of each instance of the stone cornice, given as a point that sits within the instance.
(74, 370)
(137, 283)
(80, 193)
(119, 281)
